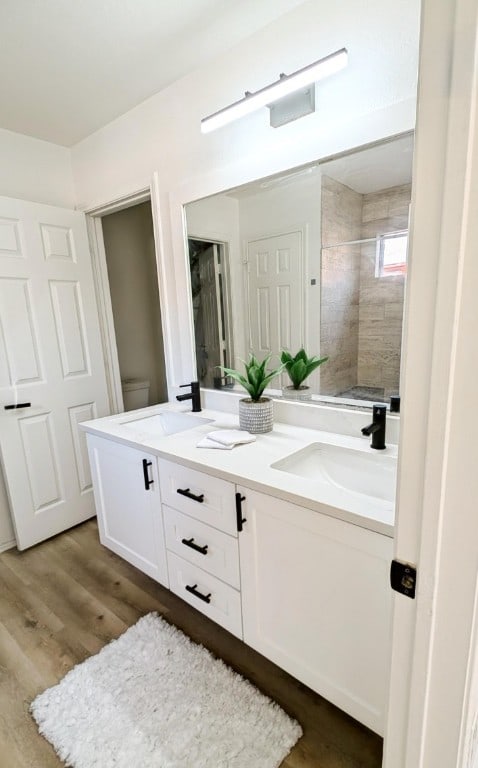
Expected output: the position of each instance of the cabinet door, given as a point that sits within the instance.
(129, 514)
(316, 600)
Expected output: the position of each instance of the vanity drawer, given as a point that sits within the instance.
(214, 503)
(217, 552)
(223, 603)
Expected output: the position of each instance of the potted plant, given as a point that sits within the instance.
(298, 368)
(255, 411)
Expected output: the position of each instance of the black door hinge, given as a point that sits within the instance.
(403, 578)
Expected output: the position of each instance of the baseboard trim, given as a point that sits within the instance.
(7, 545)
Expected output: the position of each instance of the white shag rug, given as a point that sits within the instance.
(154, 699)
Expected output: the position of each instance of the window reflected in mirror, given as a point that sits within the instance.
(314, 258)
(391, 254)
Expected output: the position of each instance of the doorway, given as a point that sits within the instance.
(128, 237)
(211, 310)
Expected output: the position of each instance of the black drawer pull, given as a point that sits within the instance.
(16, 405)
(239, 518)
(190, 543)
(193, 591)
(147, 481)
(187, 492)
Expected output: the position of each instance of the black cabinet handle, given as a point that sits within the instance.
(239, 518)
(193, 591)
(147, 481)
(190, 543)
(187, 492)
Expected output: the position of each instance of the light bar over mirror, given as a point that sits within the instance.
(284, 86)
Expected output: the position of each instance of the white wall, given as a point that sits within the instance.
(217, 219)
(375, 95)
(35, 170)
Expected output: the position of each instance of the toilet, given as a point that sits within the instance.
(135, 393)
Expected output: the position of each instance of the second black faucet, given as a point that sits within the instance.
(377, 427)
(194, 395)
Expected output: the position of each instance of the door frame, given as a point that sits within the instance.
(103, 294)
(105, 312)
(431, 675)
(226, 288)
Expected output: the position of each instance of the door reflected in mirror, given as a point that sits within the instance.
(314, 258)
(211, 309)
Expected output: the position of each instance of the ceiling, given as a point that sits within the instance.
(382, 166)
(372, 169)
(68, 67)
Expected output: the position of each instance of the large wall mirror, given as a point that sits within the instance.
(313, 258)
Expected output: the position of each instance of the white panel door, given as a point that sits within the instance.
(275, 294)
(51, 357)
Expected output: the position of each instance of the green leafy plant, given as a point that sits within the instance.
(257, 377)
(299, 366)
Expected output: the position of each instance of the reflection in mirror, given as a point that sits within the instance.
(314, 258)
(211, 309)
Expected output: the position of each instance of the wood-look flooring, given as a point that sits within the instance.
(63, 600)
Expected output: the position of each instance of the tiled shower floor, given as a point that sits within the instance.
(377, 394)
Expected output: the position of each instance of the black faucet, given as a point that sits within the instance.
(377, 427)
(194, 395)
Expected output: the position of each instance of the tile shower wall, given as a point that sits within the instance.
(340, 275)
(381, 298)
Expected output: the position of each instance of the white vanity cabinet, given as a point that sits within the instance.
(201, 541)
(316, 600)
(128, 504)
(307, 590)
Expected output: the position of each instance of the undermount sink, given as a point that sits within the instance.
(166, 423)
(352, 469)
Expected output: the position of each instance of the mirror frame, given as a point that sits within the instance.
(179, 332)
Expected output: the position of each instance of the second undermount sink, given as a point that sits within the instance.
(359, 471)
(166, 423)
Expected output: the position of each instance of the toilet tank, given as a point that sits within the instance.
(135, 393)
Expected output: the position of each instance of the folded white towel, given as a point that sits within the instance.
(230, 437)
(207, 443)
(226, 439)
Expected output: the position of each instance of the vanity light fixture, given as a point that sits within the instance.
(284, 86)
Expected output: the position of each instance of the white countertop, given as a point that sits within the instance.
(250, 464)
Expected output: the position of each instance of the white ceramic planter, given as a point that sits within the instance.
(303, 393)
(256, 417)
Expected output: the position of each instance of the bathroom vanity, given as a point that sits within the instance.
(286, 542)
